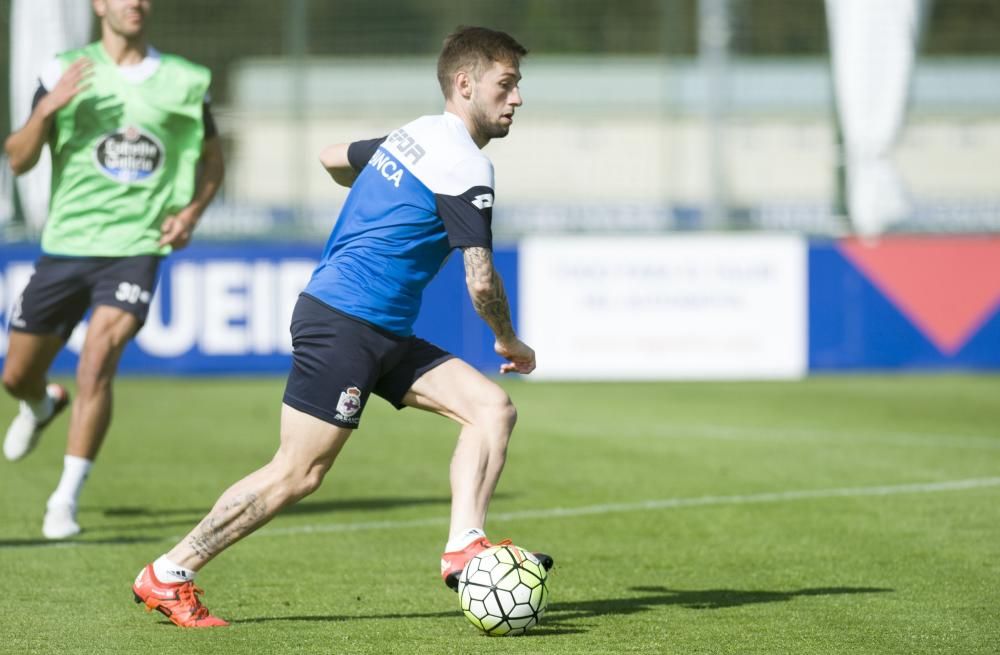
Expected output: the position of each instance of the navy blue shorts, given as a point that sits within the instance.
(338, 361)
(62, 289)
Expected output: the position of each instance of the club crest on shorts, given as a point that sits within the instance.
(349, 403)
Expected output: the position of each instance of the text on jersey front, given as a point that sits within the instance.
(387, 166)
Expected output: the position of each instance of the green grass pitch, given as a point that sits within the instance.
(833, 515)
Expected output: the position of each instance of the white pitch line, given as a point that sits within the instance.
(665, 503)
(609, 508)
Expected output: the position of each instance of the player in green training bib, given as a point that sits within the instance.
(135, 161)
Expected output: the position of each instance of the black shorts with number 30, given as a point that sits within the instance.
(62, 289)
(338, 361)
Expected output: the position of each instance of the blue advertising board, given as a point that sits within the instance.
(918, 303)
(225, 308)
(905, 303)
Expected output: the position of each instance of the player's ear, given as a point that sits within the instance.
(99, 7)
(464, 84)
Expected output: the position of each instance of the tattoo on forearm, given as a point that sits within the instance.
(487, 292)
(220, 529)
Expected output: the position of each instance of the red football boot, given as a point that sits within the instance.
(178, 601)
(453, 562)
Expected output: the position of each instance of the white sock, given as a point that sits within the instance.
(463, 539)
(167, 571)
(40, 409)
(75, 472)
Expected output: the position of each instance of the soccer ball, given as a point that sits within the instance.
(503, 590)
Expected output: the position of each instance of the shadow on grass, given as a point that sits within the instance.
(539, 631)
(164, 518)
(694, 599)
(134, 517)
(303, 507)
(566, 618)
(362, 504)
(57, 543)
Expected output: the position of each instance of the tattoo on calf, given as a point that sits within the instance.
(236, 519)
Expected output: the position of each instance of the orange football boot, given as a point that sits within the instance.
(178, 601)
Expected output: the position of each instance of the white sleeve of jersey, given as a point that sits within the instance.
(50, 75)
(469, 173)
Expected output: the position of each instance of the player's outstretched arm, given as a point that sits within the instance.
(490, 301)
(335, 161)
(24, 146)
(178, 228)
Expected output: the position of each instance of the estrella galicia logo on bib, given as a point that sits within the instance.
(129, 155)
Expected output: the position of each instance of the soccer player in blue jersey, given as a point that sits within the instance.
(417, 194)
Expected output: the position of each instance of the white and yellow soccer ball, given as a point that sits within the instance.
(503, 590)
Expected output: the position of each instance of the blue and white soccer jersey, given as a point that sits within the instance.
(420, 192)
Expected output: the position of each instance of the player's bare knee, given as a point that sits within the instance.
(15, 383)
(498, 414)
(23, 382)
(299, 484)
(312, 480)
(295, 478)
(508, 417)
(311, 476)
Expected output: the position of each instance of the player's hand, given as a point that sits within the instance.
(74, 79)
(519, 355)
(178, 229)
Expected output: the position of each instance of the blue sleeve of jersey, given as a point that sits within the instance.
(468, 218)
(359, 152)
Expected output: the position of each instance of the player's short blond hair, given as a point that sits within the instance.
(475, 49)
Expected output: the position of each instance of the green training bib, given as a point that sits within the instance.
(124, 157)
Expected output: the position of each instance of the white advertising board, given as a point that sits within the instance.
(665, 307)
